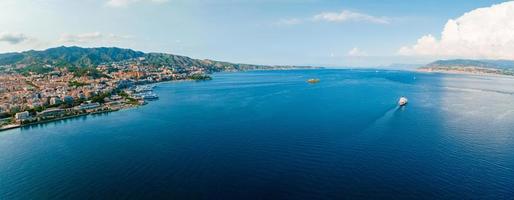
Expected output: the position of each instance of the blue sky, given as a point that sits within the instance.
(296, 32)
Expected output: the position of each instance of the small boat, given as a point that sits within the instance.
(143, 89)
(313, 80)
(403, 101)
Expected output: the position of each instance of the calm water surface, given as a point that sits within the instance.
(270, 135)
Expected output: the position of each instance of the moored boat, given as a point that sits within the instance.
(150, 96)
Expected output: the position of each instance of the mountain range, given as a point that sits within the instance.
(78, 57)
(90, 57)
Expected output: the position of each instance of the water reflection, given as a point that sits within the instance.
(477, 129)
(60, 122)
(479, 109)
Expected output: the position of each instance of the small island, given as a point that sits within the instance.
(313, 80)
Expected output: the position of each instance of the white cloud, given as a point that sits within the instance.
(486, 33)
(335, 17)
(356, 52)
(122, 3)
(12, 38)
(14, 42)
(289, 21)
(94, 37)
(10, 42)
(349, 16)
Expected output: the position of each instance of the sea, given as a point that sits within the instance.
(272, 135)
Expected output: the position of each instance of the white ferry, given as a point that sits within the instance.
(403, 101)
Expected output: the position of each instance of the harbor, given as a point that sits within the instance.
(130, 97)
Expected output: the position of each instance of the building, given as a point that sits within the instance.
(22, 116)
(88, 106)
(68, 100)
(51, 113)
(124, 84)
(81, 95)
(116, 97)
(55, 101)
(36, 104)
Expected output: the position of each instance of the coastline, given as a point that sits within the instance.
(108, 110)
(5, 128)
(457, 72)
(15, 126)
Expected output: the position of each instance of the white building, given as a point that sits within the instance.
(88, 106)
(55, 101)
(21, 116)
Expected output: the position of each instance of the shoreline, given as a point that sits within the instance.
(464, 73)
(58, 119)
(15, 126)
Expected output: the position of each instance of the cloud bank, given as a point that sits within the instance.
(289, 21)
(122, 3)
(94, 37)
(335, 17)
(356, 52)
(483, 33)
(12, 38)
(349, 16)
(10, 41)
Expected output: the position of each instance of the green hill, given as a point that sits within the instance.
(78, 57)
(504, 67)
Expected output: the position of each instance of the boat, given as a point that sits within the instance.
(313, 80)
(403, 101)
(146, 96)
(150, 96)
(144, 88)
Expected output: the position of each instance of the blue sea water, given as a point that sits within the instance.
(271, 135)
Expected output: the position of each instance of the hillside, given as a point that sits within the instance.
(503, 67)
(77, 57)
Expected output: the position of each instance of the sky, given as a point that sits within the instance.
(333, 33)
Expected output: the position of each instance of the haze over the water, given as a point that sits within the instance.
(301, 32)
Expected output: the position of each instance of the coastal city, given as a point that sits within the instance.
(53, 93)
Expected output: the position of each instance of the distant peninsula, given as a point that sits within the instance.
(468, 66)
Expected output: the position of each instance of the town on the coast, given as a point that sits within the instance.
(64, 82)
(59, 93)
